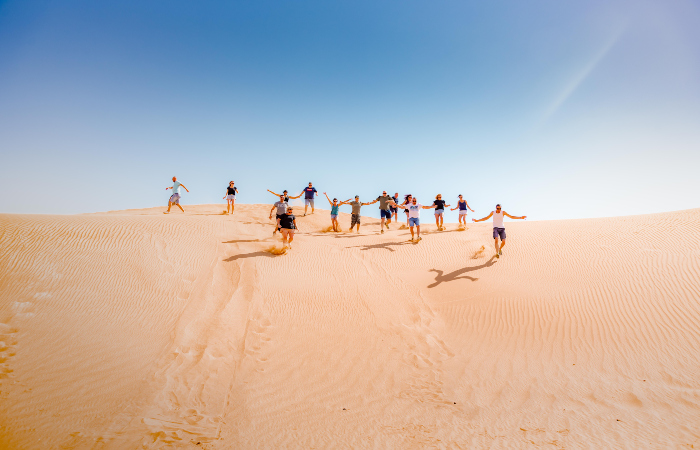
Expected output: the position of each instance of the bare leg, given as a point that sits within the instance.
(437, 221)
(411, 233)
(305, 207)
(291, 237)
(418, 228)
(503, 243)
(496, 245)
(178, 205)
(170, 205)
(358, 227)
(442, 221)
(233, 206)
(383, 219)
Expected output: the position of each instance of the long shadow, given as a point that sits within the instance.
(452, 276)
(386, 246)
(250, 255)
(240, 240)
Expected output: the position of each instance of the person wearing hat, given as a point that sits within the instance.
(499, 230)
(230, 197)
(288, 223)
(355, 216)
(334, 211)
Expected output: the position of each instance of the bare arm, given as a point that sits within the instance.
(297, 196)
(470, 208)
(273, 208)
(185, 187)
(485, 218)
(273, 193)
(513, 217)
(429, 207)
(329, 200)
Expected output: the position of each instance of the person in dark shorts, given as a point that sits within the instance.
(175, 197)
(462, 205)
(394, 209)
(230, 197)
(499, 230)
(439, 205)
(384, 209)
(309, 193)
(281, 209)
(355, 216)
(334, 211)
(288, 225)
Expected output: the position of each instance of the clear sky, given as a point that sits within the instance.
(556, 109)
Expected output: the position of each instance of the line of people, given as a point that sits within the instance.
(286, 223)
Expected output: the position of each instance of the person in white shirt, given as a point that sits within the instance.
(413, 208)
(175, 198)
(498, 228)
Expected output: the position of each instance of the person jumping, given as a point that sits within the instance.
(413, 209)
(175, 198)
(334, 211)
(498, 228)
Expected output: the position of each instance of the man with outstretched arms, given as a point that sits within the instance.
(286, 196)
(498, 228)
(309, 193)
(355, 216)
(281, 207)
(385, 201)
(413, 208)
(175, 197)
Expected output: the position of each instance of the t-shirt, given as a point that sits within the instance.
(281, 207)
(309, 192)
(176, 187)
(287, 221)
(414, 210)
(498, 219)
(334, 209)
(232, 190)
(439, 204)
(384, 202)
(355, 207)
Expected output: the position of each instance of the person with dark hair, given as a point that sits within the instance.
(288, 224)
(286, 196)
(498, 228)
(413, 208)
(334, 211)
(439, 205)
(394, 209)
(462, 205)
(355, 216)
(309, 193)
(406, 200)
(384, 209)
(230, 197)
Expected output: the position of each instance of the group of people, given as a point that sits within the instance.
(388, 208)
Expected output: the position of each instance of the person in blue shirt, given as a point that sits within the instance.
(334, 211)
(309, 194)
(175, 198)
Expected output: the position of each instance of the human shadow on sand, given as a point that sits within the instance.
(442, 278)
(250, 255)
(385, 245)
(240, 240)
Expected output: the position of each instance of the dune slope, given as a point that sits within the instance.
(134, 329)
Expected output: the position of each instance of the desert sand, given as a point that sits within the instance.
(137, 330)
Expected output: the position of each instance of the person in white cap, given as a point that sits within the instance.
(498, 229)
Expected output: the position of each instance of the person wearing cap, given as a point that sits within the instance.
(334, 211)
(385, 202)
(288, 224)
(309, 193)
(413, 208)
(230, 197)
(499, 230)
(355, 216)
(175, 197)
(462, 205)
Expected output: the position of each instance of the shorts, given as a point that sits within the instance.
(414, 221)
(309, 201)
(231, 197)
(499, 232)
(462, 212)
(334, 216)
(278, 216)
(406, 211)
(385, 213)
(439, 212)
(355, 219)
(393, 210)
(175, 199)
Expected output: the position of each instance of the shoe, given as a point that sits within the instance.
(500, 252)
(166, 212)
(497, 255)
(419, 238)
(382, 231)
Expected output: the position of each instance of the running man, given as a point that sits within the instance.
(439, 205)
(309, 193)
(230, 197)
(334, 211)
(288, 223)
(413, 208)
(462, 205)
(394, 209)
(498, 228)
(355, 216)
(384, 211)
(175, 198)
(281, 207)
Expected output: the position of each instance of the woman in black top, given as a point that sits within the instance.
(439, 205)
(230, 197)
(288, 223)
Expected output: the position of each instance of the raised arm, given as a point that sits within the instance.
(485, 218)
(275, 193)
(513, 217)
(302, 193)
(329, 200)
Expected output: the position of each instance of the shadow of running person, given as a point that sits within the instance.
(441, 278)
(249, 255)
(385, 245)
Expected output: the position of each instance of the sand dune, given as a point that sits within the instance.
(133, 329)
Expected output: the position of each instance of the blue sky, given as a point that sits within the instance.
(554, 109)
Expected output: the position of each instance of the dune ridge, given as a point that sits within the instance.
(131, 329)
